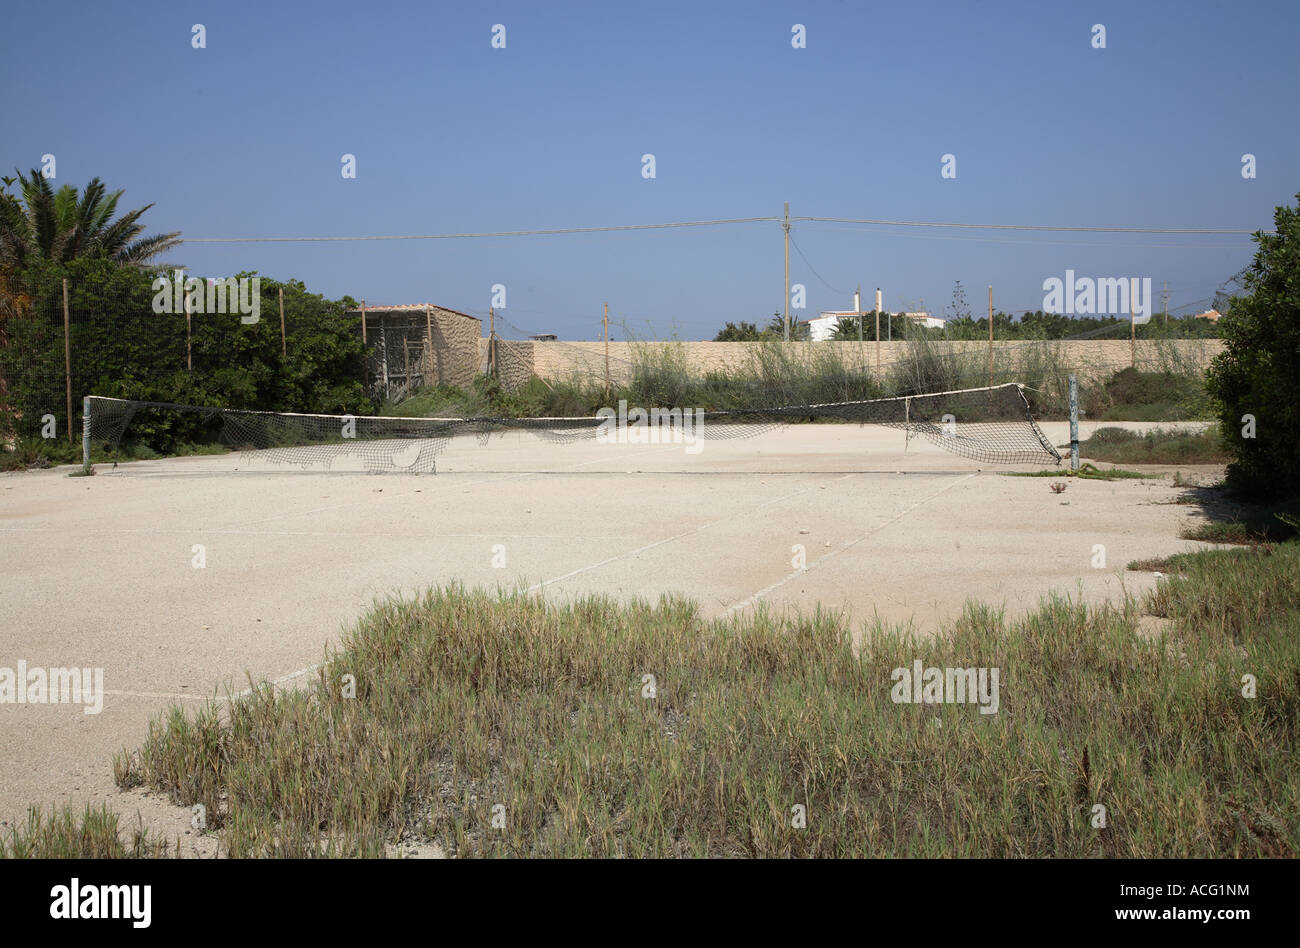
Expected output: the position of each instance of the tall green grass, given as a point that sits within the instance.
(774, 374)
(1157, 446)
(467, 702)
(64, 833)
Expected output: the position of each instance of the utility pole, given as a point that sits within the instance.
(606, 321)
(786, 228)
(1074, 423)
(857, 306)
(492, 341)
(990, 335)
(1164, 298)
(428, 344)
(877, 332)
(67, 357)
(189, 320)
(284, 350)
(1132, 326)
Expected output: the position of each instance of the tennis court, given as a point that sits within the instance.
(101, 571)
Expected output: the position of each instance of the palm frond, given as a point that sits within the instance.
(65, 225)
(110, 240)
(38, 198)
(143, 251)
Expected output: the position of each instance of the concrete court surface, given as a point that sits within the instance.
(99, 572)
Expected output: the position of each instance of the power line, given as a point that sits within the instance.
(499, 233)
(812, 268)
(1036, 242)
(1091, 230)
(721, 222)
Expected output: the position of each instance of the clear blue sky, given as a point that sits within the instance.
(244, 139)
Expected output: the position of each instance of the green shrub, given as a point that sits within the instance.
(1158, 446)
(1258, 372)
(121, 348)
(1134, 395)
(25, 454)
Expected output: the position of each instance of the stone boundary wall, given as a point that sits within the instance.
(455, 347)
(515, 361)
(564, 361)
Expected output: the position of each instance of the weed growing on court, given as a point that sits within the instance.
(1088, 472)
(64, 833)
(501, 725)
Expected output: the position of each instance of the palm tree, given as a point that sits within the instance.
(58, 226)
(847, 328)
(799, 331)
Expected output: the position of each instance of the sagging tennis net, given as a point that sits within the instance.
(992, 425)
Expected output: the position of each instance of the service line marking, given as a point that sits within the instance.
(852, 543)
(680, 536)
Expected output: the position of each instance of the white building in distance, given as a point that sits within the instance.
(822, 326)
(928, 321)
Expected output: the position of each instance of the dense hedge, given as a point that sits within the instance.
(1258, 372)
(122, 348)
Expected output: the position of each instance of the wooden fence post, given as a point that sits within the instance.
(67, 356)
(428, 343)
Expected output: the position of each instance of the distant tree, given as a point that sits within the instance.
(799, 331)
(958, 309)
(962, 328)
(744, 332)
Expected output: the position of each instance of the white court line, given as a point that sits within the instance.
(381, 535)
(193, 697)
(650, 546)
(815, 563)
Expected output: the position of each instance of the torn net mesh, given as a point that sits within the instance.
(992, 425)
